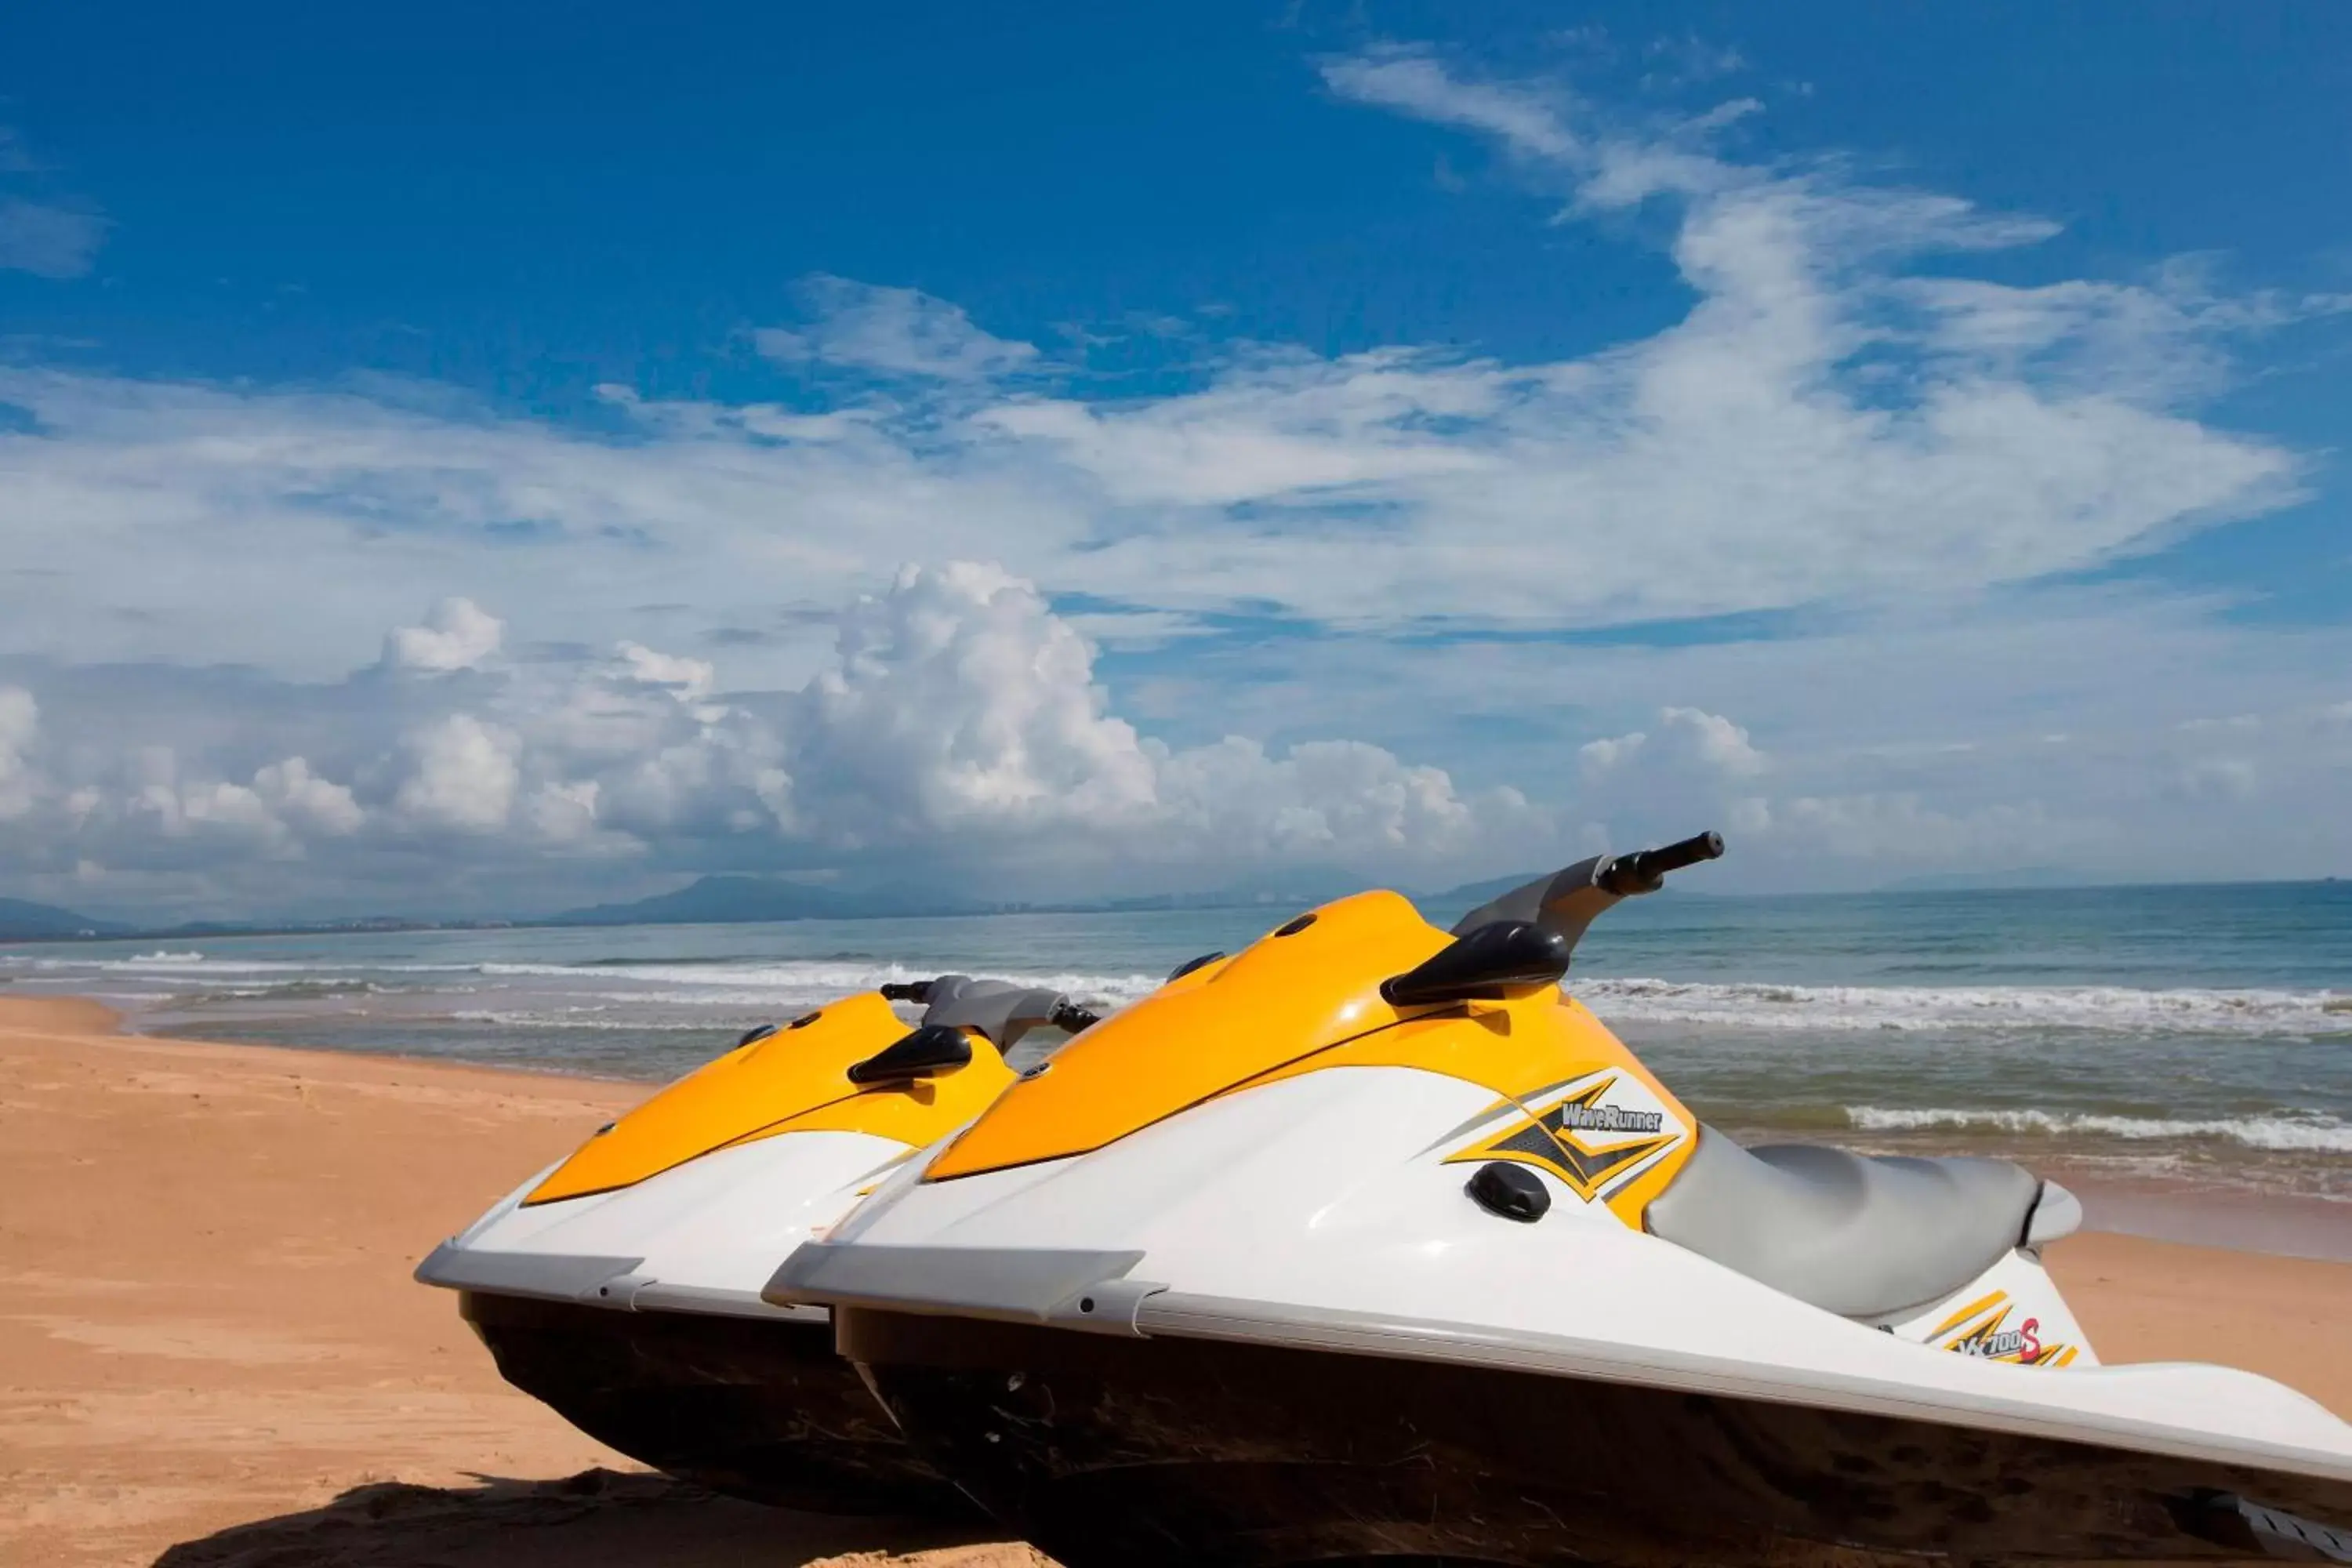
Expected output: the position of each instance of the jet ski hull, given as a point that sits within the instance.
(1108, 1451)
(756, 1408)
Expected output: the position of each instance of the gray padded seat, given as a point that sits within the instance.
(1862, 1237)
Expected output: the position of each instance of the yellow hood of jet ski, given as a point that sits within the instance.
(1304, 999)
(793, 1080)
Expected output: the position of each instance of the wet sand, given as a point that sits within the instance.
(211, 1352)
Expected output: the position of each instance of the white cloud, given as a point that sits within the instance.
(1892, 831)
(457, 635)
(1846, 420)
(48, 241)
(1525, 119)
(294, 793)
(683, 678)
(564, 813)
(463, 776)
(959, 701)
(895, 331)
(957, 733)
(960, 705)
(1831, 422)
(19, 718)
(1687, 740)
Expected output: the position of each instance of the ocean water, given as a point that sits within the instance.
(2196, 1035)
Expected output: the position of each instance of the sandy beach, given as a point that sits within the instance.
(214, 1355)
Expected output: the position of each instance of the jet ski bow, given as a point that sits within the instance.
(621, 1286)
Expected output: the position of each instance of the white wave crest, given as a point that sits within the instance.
(2112, 1008)
(737, 984)
(2284, 1134)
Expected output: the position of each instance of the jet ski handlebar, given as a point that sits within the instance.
(1644, 870)
(1070, 1018)
(1570, 899)
(1002, 1010)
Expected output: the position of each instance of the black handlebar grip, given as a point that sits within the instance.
(1641, 871)
(1071, 1018)
(1689, 852)
(907, 991)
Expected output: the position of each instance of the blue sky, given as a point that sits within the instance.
(1087, 449)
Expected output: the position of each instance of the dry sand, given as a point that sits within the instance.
(211, 1352)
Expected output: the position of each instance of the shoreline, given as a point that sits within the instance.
(2229, 1216)
(215, 1354)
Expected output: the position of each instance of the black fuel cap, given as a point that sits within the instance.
(1510, 1190)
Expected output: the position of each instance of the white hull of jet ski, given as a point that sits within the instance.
(1271, 1329)
(622, 1286)
(636, 1315)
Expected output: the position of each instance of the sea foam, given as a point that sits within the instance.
(2284, 1134)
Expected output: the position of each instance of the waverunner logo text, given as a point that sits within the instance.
(1575, 1117)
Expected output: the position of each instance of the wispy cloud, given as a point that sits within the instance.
(48, 241)
(891, 331)
(1526, 118)
(48, 236)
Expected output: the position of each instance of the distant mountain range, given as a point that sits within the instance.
(732, 899)
(741, 899)
(707, 900)
(24, 922)
(729, 901)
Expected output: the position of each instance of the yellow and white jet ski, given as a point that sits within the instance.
(1369, 1245)
(621, 1286)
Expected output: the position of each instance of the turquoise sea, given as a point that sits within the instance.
(2198, 1034)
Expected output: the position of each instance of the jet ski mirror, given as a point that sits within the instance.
(1482, 965)
(933, 1049)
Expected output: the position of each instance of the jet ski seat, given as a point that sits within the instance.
(1861, 1237)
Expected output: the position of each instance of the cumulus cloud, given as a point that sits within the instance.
(295, 794)
(961, 704)
(457, 635)
(463, 776)
(957, 731)
(1688, 740)
(958, 701)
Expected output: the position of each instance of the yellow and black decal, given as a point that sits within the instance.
(1602, 1134)
(1981, 1330)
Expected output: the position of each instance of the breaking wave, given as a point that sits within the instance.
(761, 985)
(2312, 1133)
(2111, 1009)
